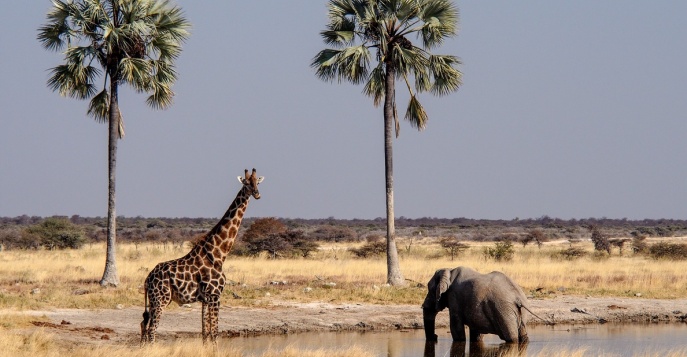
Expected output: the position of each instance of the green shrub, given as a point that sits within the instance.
(665, 250)
(502, 251)
(58, 233)
(375, 246)
(570, 253)
(453, 246)
(15, 238)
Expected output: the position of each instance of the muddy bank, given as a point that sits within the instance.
(122, 325)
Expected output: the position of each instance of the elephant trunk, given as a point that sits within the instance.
(429, 318)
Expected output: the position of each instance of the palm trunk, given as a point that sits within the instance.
(110, 277)
(394, 276)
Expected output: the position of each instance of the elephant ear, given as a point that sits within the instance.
(443, 282)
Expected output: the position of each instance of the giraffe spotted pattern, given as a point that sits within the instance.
(197, 276)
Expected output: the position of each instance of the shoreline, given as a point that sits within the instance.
(282, 317)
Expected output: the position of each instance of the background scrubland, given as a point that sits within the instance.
(56, 262)
(342, 260)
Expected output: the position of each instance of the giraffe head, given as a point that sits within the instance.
(251, 183)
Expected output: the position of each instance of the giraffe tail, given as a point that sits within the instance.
(146, 313)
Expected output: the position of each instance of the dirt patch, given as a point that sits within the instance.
(123, 325)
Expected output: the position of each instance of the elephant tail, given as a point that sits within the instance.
(523, 306)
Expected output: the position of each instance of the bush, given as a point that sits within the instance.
(375, 246)
(502, 251)
(263, 227)
(570, 253)
(15, 238)
(665, 250)
(453, 246)
(600, 240)
(58, 233)
(535, 235)
(334, 234)
(271, 236)
(639, 244)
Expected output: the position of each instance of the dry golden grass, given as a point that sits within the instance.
(41, 344)
(69, 279)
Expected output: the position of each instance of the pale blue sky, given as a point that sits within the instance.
(570, 109)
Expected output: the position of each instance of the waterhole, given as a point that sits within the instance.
(607, 340)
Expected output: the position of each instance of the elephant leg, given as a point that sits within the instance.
(522, 332)
(475, 336)
(457, 327)
(509, 325)
(457, 349)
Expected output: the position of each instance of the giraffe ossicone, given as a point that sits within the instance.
(197, 276)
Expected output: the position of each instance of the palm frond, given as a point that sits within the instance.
(339, 33)
(120, 124)
(136, 72)
(375, 85)
(161, 98)
(99, 106)
(172, 23)
(447, 78)
(56, 33)
(422, 80)
(409, 59)
(354, 63)
(350, 64)
(73, 80)
(440, 21)
(324, 64)
(416, 114)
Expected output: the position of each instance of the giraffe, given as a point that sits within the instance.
(198, 276)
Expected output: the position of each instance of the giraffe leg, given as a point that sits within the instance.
(157, 303)
(155, 314)
(205, 320)
(213, 317)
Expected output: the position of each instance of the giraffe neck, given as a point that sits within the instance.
(220, 239)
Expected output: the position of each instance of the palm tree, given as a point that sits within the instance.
(355, 29)
(114, 42)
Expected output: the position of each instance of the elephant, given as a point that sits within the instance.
(485, 303)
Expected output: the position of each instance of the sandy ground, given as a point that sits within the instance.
(122, 325)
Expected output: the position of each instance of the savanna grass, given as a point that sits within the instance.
(69, 278)
(42, 344)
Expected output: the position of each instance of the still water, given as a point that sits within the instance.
(607, 340)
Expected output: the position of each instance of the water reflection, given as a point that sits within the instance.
(608, 339)
(459, 349)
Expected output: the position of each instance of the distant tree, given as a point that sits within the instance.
(534, 235)
(133, 42)
(18, 238)
(333, 234)
(58, 233)
(271, 235)
(384, 27)
(502, 251)
(300, 245)
(453, 245)
(263, 227)
(600, 240)
(374, 246)
(667, 250)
